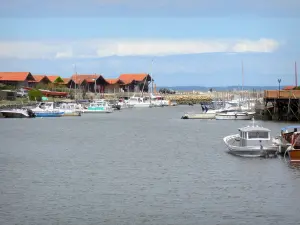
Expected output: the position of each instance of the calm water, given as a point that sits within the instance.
(140, 166)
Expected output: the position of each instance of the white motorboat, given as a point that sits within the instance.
(251, 141)
(234, 115)
(158, 100)
(70, 109)
(140, 102)
(47, 109)
(99, 106)
(124, 104)
(18, 113)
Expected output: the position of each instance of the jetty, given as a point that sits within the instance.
(281, 105)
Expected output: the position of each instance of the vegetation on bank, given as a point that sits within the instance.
(7, 87)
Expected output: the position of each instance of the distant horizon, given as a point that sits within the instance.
(218, 88)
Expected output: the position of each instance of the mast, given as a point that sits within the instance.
(152, 75)
(242, 80)
(75, 80)
(296, 75)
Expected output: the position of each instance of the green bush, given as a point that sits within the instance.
(7, 87)
(35, 95)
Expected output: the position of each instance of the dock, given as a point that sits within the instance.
(281, 105)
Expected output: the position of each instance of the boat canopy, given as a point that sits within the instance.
(291, 128)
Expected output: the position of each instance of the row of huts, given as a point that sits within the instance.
(87, 82)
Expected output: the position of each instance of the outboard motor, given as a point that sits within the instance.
(31, 114)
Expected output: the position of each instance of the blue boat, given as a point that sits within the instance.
(46, 109)
(49, 114)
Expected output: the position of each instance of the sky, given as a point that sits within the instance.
(181, 43)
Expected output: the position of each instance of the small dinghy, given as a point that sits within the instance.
(251, 141)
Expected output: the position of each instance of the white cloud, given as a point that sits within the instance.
(96, 48)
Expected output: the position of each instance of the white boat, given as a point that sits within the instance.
(46, 109)
(251, 141)
(199, 116)
(140, 102)
(207, 113)
(158, 100)
(100, 106)
(234, 115)
(70, 109)
(124, 104)
(18, 113)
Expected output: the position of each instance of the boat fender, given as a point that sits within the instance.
(246, 114)
(235, 115)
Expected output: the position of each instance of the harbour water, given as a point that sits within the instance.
(139, 166)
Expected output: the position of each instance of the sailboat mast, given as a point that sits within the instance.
(242, 80)
(152, 75)
(296, 75)
(75, 80)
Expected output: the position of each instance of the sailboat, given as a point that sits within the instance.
(236, 114)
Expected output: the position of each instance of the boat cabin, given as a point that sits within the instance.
(253, 135)
(287, 132)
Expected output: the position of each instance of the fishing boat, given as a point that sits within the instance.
(251, 141)
(18, 113)
(99, 106)
(289, 142)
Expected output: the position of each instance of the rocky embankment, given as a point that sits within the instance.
(189, 99)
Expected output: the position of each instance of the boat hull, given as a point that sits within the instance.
(72, 114)
(143, 106)
(49, 114)
(294, 155)
(17, 114)
(98, 111)
(14, 115)
(199, 116)
(222, 116)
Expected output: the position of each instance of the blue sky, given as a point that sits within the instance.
(191, 42)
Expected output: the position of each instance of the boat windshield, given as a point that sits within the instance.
(258, 134)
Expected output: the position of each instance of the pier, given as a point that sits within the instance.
(281, 105)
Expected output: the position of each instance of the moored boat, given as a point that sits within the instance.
(46, 109)
(69, 109)
(289, 142)
(100, 106)
(140, 102)
(234, 115)
(18, 113)
(199, 116)
(251, 141)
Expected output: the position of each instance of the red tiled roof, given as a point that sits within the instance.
(136, 77)
(126, 82)
(53, 78)
(39, 78)
(289, 88)
(89, 80)
(79, 78)
(113, 81)
(66, 80)
(15, 76)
